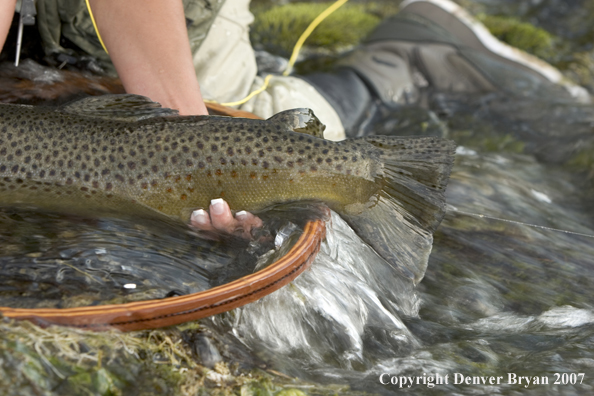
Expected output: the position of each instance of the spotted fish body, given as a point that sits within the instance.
(122, 152)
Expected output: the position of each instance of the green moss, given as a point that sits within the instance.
(64, 361)
(583, 159)
(277, 29)
(291, 392)
(521, 35)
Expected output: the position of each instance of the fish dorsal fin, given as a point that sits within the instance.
(300, 120)
(128, 108)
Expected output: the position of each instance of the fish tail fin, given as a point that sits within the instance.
(400, 222)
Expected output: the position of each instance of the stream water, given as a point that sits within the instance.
(507, 292)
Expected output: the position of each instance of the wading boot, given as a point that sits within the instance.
(433, 46)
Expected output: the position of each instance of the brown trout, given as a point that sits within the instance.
(123, 153)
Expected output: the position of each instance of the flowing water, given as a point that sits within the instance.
(499, 299)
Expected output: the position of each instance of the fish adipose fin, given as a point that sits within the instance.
(299, 120)
(127, 108)
(399, 222)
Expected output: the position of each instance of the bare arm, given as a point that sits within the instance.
(149, 47)
(6, 13)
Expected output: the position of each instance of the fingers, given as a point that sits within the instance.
(246, 221)
(221, 219)
(201, 220)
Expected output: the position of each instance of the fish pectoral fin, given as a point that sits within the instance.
(300, 120)
(127, 108)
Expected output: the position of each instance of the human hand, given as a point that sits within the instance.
(219, 218)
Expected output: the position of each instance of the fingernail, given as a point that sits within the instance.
(200, 216)
(217, 206)
(241, 215)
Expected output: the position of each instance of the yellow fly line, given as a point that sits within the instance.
(298, 45)
(95, 26)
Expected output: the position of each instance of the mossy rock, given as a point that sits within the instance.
(522, 35)
(277, 29)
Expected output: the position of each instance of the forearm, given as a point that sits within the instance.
(6, 14)
(149, 47)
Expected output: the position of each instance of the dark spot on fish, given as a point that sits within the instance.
(209, 159)
(119, 178)
(214, 148)
(108, 186)
(155, 168)
(230, 151)
(313, 168)
(201, 165)
(105, 172)
(248, 150)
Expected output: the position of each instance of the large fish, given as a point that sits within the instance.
(127, 154)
